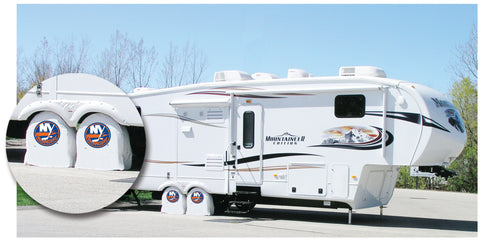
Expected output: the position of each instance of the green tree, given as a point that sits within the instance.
(464, 97)
(404, 180)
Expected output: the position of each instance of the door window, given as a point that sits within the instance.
(248, 129)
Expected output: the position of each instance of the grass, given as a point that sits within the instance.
(142, 195)
(23, 199)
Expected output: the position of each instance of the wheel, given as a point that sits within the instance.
(246, 206)
(49, 141)
(102, 144)
(221, 205)
(173, 201)
(157, 195)
(199, 202)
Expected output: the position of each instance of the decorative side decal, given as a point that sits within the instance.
(410, 117)
(354, 137)
(257, 158)
(46, 133)
(405, 116)
(285, 139)
(455, 120)
(452, 114)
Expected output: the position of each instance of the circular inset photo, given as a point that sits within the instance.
(75, 143)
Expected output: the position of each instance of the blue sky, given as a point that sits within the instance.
(410, 42)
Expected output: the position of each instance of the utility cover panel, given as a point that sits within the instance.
(339, 178)
(307, 179)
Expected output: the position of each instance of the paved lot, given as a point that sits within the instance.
(411, 213)
(72, 190)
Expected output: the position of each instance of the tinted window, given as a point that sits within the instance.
(248, 129)
(349, 106)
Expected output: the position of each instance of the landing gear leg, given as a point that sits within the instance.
(350, 216)
(136, 197)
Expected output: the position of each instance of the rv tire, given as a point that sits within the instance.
(221, 205)
(247, 206)
(157, 195)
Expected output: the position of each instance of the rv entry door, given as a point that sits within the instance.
(249, 159)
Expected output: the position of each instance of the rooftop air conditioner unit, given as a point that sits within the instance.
(297, 73)
(366, 71)
(231, 75)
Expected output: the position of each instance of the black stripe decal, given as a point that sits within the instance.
(257, 158)
(405, 116)
(267, 156)
(431, 123)
(410, 117)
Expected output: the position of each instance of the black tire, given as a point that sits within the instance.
(221, 205)
(245, 206)
(156, 195)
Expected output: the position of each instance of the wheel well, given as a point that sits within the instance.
(86, 115)
(18, 128)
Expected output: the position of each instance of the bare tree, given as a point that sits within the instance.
(33, 70)
(169, 67)
(466, 62)
(42, 64)
(22, 75)
(113, 63)
(183, 67)
(183, 64)
(198, 64)
(143, 61)
(71, 57)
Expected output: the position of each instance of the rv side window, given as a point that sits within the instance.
(349, 106)
(248, 129)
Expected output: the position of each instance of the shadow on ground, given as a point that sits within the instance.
(364, 219)
(335, 217)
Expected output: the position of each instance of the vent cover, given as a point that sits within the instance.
(365, 71)
(231, 75)
(214, 162)
(347, 71)
(214, 114)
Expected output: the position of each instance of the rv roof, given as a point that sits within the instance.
(332, 81)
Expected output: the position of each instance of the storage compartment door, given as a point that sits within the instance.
(307, 179)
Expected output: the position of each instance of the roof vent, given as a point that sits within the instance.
(297, 73)
(264, 76)
(231, 75)
(366, 71)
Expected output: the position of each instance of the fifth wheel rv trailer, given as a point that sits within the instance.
(335, 142)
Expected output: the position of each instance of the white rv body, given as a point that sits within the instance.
(296, 149)
(302, 140)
